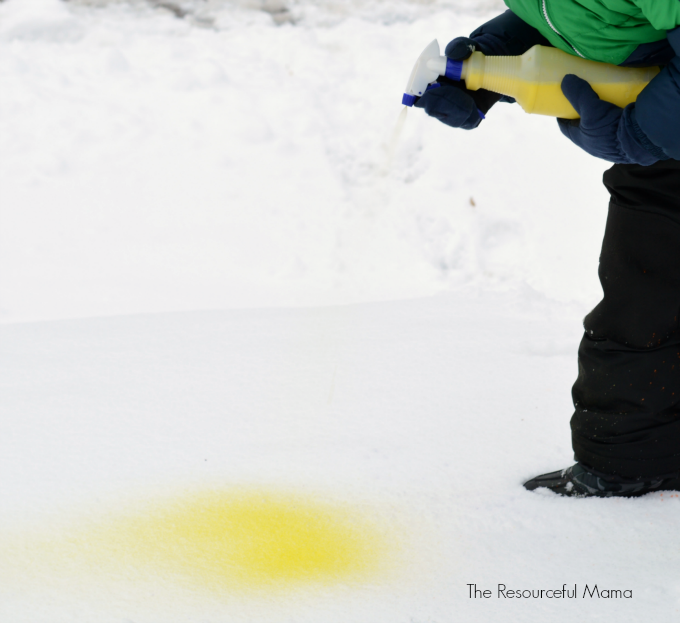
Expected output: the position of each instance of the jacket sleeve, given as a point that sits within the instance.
(656, 118)
(662, 14)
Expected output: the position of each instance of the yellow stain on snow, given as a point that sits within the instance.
(235, 538)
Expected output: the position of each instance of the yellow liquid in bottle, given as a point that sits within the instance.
(534, 79)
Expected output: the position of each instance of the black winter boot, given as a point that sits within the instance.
(577, 481)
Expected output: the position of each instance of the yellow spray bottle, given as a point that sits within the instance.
(533, 79)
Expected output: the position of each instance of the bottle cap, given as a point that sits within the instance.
(453, 69)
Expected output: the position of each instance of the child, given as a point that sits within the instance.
(626, 424)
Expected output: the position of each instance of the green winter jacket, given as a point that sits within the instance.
(601, 30)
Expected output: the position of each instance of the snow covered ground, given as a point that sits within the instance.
(222, 304)
(423, 415)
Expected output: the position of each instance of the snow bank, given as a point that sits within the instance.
(150, 164)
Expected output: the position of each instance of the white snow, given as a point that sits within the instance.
(209, 279)
(149, 164)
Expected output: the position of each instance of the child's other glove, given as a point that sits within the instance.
(605, 130)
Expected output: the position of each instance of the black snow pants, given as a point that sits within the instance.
(627, 395)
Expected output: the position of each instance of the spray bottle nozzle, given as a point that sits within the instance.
(429, 66)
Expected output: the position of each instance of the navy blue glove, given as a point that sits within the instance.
(455, 105)
(605, 130)
(452, 103)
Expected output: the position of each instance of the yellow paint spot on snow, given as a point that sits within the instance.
(217, 539)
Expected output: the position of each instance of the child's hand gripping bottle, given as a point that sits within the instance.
(533, 79)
